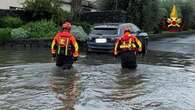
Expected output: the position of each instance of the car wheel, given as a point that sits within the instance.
(145, 47)
(144, 51)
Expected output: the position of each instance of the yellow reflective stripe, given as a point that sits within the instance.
(67, 42)
(53, 44)
(124, 46)
(116, 46)
(139, 43)
(54, 41)
(58, 49)
(76, 46)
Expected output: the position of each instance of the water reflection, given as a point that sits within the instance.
(99, 58)
(128, 84)
(66, 86)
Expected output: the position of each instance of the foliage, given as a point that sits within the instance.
(114, 4)
(193, 21)
(79, 33)
(5, 34)
(45, 9)
(135, 12)
(18, 33)
(47, 29)
(144, 13)
(151, 17)
(41, 29)
(86, 26)
(187, 15)
(11, 22)
(147, 14)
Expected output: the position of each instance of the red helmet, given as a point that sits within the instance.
(67, 26)
(127, 30)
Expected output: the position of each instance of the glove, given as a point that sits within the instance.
(75, 59)
(139, 49)
(53, 55)
(115, 54)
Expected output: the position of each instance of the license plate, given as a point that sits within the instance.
(100, 40)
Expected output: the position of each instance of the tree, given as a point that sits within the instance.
(44, 9)
(144, 13)
(150, 16)
(187, 15)
(135, 12)
(76, 9)
(114, 4)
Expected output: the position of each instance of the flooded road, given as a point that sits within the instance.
(164, 80)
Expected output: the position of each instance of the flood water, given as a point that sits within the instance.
(164, 80)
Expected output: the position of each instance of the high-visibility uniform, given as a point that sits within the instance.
(65, 46)
(127, 42)
(127, 45)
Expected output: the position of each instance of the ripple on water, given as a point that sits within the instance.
(43, 86)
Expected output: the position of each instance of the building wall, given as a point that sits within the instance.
(5, 4)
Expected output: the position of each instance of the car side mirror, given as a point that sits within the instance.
(139, 31)
(142, 34)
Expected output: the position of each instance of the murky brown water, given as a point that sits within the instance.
(29, 80)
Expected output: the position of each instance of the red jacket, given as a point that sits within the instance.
(127, 42)
(63, 40)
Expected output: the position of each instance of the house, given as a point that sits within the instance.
(17, 4)
(11, 4)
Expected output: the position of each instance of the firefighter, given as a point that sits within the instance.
(127, 46)
(64, 47)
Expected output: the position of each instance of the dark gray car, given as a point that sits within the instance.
(103, 36)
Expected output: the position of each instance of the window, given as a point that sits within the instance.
(105, 31)
(134, 28)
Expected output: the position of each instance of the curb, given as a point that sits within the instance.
(170, 34)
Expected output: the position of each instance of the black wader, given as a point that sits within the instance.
(128, 60)
(65, 61)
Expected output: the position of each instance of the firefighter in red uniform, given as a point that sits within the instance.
(127, 47)
(64, 47)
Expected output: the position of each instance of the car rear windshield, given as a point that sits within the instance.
(105, 31)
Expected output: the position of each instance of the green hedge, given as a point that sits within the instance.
(41, 29)
(47, 29)
(11, 22)
(19, 33)
(79, 33)
(37, 29)
(86, 26)
(5, 34)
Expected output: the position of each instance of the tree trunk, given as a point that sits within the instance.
(75, 9)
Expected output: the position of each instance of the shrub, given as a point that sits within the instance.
(45, 9)
(61, 17)
(79, 33)
(41, 29)
(11, 22)
(86, 26)
(4, 34)
(19, 33)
